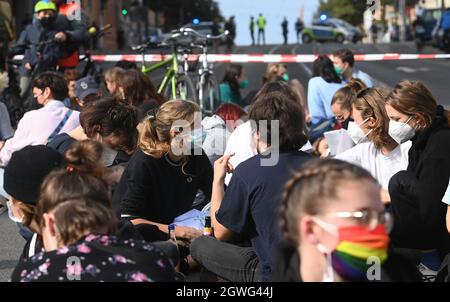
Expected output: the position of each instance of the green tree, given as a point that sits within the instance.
(351, 11)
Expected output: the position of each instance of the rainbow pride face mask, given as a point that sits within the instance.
(356, 245)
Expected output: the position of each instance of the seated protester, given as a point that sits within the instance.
(23, 177)
(111, 122)
(240, 142)
(138, 90)
(163, 176)
(71, 76)
(416, 194)
(87, 90)
(344, 64)
(333, 221)
(341, 104)
(321, 88)
(280, 70)
(375, 150)
(233, 81)
(320, 148)
(6, 131)
(126, 65)
(111, 77)
(37, 127)
(249, 205)
(78, 196)
(219, 127)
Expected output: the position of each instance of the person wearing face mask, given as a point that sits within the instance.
(233, 82)
(247, 207)
(417, 193)
(341, 104)
(40, 126)
(75, 219)
(375, 149)
(110, 122)
(164, 175)
(23, 177)
(335, 228)
(279, 70)
(344, 64)
(48, 25)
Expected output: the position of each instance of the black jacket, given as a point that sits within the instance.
(416, 194)
(35, 33)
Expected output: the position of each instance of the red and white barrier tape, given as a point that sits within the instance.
(262, 58)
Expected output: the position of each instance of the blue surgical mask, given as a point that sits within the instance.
(198, 137)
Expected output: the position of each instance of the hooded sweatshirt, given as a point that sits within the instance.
(217, 136)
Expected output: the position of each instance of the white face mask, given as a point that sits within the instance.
(11, 214)
(108, 156)
(356, 133)
(401, 132)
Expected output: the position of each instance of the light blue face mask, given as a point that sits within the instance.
(286, 77)
(197, 137)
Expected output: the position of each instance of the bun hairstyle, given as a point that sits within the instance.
(154, 131)
(346, 95)
(78, 196)
(314, 186)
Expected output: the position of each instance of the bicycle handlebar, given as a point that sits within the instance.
(188, 30)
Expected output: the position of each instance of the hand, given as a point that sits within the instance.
(2, 143)
(28, 66)
(221, 167)
(61, 37)
(187, 233)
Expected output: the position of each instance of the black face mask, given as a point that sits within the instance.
(47, 21)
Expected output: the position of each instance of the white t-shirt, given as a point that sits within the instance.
(381, 166)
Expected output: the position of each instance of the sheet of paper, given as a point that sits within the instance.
(338, 141)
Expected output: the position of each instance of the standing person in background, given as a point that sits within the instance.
(231, 27)
(252, 29)
(284, 27)
(374, 32)
(299, 26)
(261, 22)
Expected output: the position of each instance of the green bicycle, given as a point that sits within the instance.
(176, 83)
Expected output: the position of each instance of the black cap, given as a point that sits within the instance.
(26, 171)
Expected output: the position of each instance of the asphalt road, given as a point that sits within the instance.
(435, 74)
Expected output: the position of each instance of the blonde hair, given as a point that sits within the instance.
(154, 131)
(371, 104)
(272, 70)
(113, 74)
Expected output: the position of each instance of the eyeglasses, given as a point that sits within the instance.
(371, 218)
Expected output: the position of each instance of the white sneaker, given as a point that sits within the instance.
(428, 275)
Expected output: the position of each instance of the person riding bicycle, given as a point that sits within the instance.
(47, 25)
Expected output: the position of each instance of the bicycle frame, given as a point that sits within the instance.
(170, 76)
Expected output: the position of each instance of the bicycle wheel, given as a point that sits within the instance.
(184, 89)
(210, 95)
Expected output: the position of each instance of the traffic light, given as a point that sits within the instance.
(124, 11)
(196, 21)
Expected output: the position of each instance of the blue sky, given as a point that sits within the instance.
(273, 10)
